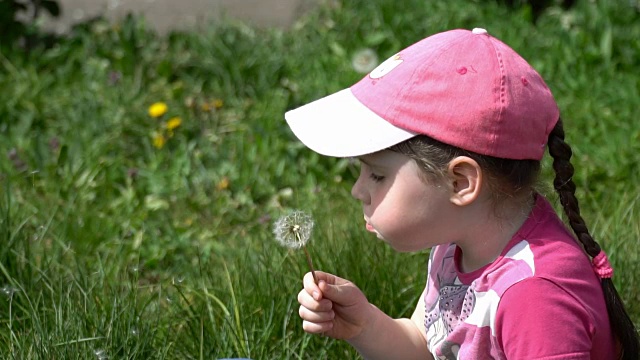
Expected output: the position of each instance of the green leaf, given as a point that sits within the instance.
(375, 38)
(62, 157)
(51, 6)
(606, 44)
(337, 49)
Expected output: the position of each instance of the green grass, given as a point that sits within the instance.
(113, 247)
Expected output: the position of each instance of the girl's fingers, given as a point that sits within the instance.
(310, 284)
(317, 328)
(308, 301)
(316, 316)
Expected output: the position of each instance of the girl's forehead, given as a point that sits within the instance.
(371, 159)
(383, 158)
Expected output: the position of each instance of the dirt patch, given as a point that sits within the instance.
(166, 15)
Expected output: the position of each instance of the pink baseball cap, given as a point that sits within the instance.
(463, 88)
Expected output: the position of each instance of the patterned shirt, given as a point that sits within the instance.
(540, 299)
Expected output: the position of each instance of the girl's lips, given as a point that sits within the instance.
(370, 228)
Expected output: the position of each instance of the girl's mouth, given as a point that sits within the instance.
(370, 228)
(368, 225)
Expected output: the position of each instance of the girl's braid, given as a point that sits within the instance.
(566, 188)
(621, 325)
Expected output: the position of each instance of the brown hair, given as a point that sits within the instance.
(507, 179)
(515, 179)
(621, 325)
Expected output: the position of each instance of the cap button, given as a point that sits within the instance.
(479, 31)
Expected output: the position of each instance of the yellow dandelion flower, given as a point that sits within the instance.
(159, 140)
(158, 109)
(173, 123)
(213, 104)
(223, 184)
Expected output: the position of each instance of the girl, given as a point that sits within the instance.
(450, 133)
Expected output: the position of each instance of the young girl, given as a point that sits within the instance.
(450, 133)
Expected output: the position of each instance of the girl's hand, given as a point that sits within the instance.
(334, 307)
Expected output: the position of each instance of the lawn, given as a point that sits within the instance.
(142, 174)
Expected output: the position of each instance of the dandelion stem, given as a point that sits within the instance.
(306, 252)
(313, 272)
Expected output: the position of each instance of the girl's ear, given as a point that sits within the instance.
(465, 176)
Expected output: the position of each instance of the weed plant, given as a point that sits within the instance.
(130, 234)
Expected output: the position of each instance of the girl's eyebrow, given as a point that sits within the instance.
(369, 162)
(359, 158)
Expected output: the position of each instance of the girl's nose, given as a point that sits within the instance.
(358, 191)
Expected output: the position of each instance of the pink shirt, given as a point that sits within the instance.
(539, 300)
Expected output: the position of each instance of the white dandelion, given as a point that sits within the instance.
(364, 61)
(9, 290)
(100, 354)
(294, 231)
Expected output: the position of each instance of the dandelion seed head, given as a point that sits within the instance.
(8, 290)
(293, 230)
(364, 61)
(100, 354)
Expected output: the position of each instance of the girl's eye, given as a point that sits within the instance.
(376, 178)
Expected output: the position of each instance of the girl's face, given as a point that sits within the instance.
(399, 206)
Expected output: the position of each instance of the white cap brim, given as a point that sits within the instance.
(341, 126)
